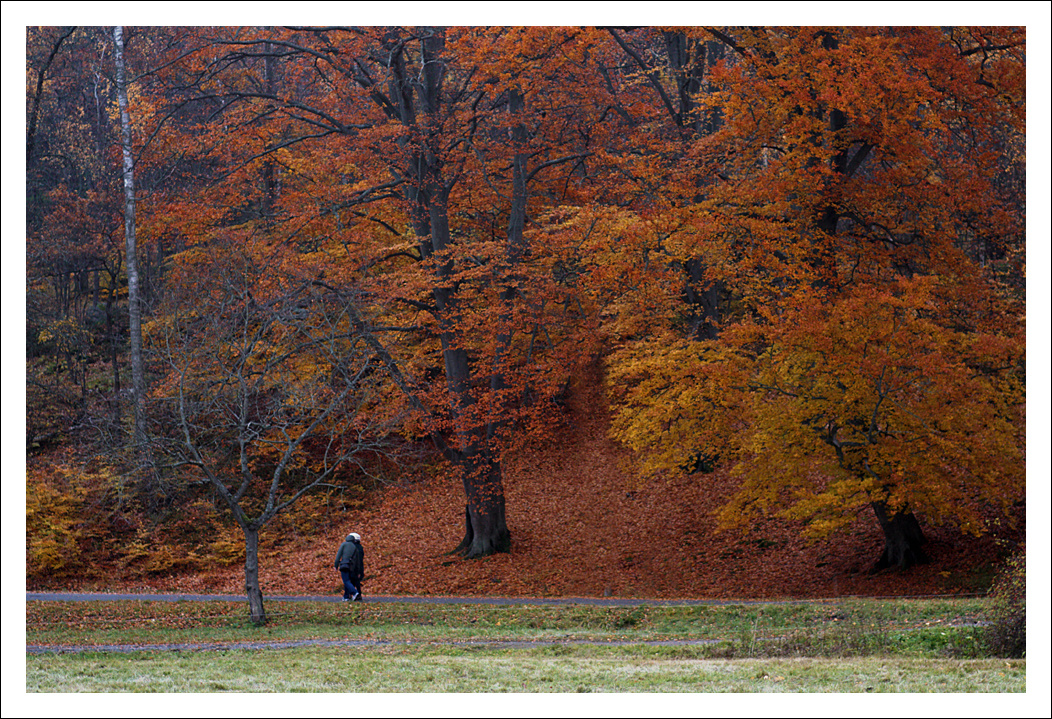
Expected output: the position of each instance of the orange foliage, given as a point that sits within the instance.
(866, 356)
(798, 249)
(582, 525)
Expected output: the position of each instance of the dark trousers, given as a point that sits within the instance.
(349, 587)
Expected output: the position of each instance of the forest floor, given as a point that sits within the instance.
(584, 525)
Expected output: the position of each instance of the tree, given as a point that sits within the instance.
(870, 361)
(271, 387)
(53, 47)
(74, 250)
(676, 65)
(411, 165)
(869, 403)
(138, 387)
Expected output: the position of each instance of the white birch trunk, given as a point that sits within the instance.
(138, 389)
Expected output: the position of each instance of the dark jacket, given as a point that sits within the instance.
(351, 557)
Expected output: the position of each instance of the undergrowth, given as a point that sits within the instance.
(1006, 633)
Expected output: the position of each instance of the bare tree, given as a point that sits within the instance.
(273, 392)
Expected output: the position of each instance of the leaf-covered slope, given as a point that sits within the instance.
(583, 525)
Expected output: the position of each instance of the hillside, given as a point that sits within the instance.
(754, 219)
(582, 525)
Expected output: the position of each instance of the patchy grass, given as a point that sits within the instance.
(855, 627)
(849, 646)
(457, 669)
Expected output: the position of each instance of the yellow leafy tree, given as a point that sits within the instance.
(857, 206)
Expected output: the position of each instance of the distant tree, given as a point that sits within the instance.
(48, 47)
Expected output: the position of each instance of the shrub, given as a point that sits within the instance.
(1006, 635)
(53, 529)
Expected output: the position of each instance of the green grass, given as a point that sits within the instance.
(451, 669)
(846, 646)
(857, 626)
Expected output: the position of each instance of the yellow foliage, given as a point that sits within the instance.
(229, 548)
(839, 405)
(52, 529)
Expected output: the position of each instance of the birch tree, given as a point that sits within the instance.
(138, 387)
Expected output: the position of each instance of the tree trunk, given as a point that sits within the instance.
(138, 389)
(270, 185)
(486, 529)
(112, 338)
(903, 539)
(702, 301)
(31, 132)
(252, 590)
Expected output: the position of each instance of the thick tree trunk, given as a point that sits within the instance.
(486, 529)
(252, 590)
(903, 539)
(702, 301)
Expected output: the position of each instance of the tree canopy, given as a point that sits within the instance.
(799, 251)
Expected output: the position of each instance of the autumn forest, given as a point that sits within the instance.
(277, 274)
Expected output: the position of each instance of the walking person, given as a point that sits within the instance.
(350, 561)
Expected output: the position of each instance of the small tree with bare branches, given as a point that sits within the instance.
(271, 388)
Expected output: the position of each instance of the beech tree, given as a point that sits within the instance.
(411, 165)
(872, 361)
(670, 100)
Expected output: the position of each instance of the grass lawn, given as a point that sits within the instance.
(851, 646)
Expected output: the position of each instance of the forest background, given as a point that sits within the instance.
(580, 402)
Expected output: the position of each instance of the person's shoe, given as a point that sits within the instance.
(358, 597)
(346, 599)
